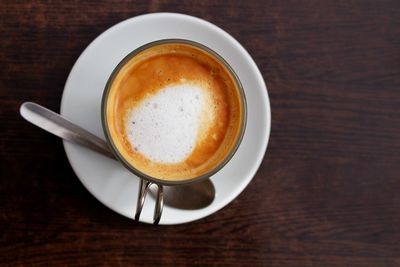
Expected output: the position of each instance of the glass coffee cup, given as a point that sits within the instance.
(173, 112)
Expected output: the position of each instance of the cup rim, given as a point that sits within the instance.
(111, 143)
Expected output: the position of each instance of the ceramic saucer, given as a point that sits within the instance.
(109, 181)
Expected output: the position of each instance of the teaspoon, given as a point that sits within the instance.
(192, 196)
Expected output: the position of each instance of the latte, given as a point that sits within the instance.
(173, 111)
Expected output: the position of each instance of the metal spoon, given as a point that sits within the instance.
(192, 196)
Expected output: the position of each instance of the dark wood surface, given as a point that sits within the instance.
(327, 193)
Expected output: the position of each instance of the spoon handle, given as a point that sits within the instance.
(57, 125)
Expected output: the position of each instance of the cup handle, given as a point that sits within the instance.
(143, 188)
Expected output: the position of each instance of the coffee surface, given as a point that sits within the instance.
(174, 112)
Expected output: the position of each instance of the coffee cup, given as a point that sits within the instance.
(173, 112)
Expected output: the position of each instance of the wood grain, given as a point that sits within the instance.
(327, 193)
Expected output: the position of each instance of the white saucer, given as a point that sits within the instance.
(109, 181)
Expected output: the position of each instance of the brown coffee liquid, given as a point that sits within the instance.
(146, 126)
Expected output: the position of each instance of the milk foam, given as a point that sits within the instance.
(164, 127)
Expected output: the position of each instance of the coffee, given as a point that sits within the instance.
(174, 111)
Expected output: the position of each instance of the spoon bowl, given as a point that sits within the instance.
(188, 197)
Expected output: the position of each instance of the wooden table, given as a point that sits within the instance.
(327, 193)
